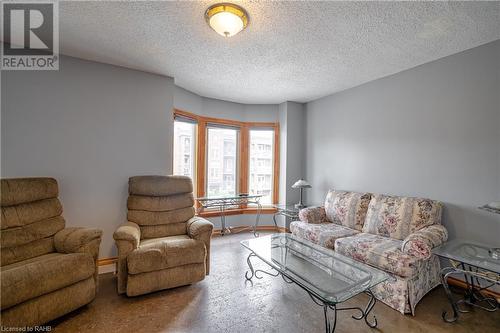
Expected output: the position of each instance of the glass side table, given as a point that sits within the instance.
(225, 202)
(479, 269)
(286, 210)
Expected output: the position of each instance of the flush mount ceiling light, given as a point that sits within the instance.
(226, 19)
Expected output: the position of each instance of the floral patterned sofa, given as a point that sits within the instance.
(394, 234)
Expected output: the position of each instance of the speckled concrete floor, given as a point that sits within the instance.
(223, 302)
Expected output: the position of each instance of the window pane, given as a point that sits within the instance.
(261, 164)
(184, 154)
(221, 161)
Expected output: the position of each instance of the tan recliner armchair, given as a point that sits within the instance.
(47, 270)
(163, 245)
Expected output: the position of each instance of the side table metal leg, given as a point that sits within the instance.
(274, 220)
(222, 221)
(257, 218)
(444, 279)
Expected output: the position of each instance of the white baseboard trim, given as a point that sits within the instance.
(110, 268)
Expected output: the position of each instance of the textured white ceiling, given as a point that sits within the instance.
(291, 51)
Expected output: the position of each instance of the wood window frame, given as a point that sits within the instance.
(243, 157)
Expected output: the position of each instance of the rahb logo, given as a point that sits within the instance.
(30, 35)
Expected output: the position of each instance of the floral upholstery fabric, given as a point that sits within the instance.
(403, 294)
(398, 217)
(421, 242)
(347, 208)
(323, 234)
(381, 252)
(313, 215)
(397, 236)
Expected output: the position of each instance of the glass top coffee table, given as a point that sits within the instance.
(328, 277)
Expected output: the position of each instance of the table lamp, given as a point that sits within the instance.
(301, 184)
(493, 207)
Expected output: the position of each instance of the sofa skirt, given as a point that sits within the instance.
(403, 294)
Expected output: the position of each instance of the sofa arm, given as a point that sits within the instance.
(201, 229)
(313, 215)
(78, 240)
(421, 242)
(128, 231)
(127, 238)
(198, 227)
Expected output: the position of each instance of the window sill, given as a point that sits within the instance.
(252, 210)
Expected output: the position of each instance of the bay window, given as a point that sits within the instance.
(184, 147)
(261, 167)
(227, 157)
(221, 161)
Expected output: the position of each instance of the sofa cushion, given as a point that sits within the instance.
(144, 217)
(163, 230)
(159, 186)
(26, 234)
(323, 234)
(378, 251)
(27, 213)
(36, 248)
(166, 252)
(397, 217)
(160, 204)
(37, 276)
(17, 191)
(347, 208)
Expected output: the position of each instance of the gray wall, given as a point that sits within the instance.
(292, 142)
(431, 131)
(91, 126)
(209, 107)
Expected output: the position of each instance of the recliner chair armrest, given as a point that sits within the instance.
(127, 238)
(78, 240)
(198, 227)
(421, 242)
(313, 215)
(201, 229)
(128, 233)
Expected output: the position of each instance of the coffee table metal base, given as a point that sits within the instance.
(330, 324)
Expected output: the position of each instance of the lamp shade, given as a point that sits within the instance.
(301, 183)
(226, 19)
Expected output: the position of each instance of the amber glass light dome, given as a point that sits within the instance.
(226, 19)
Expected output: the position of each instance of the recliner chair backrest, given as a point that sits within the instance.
(160, 205)
(31, 215)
